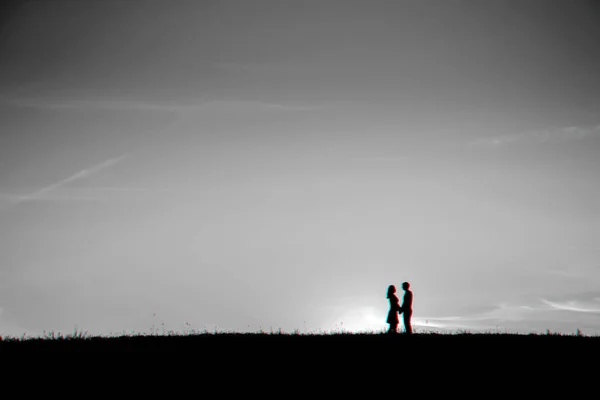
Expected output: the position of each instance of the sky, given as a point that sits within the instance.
(265, 165)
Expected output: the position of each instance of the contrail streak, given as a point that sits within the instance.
(75, 177)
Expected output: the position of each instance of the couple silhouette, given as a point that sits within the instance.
(396, 309)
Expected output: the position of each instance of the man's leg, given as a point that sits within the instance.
(407, 325)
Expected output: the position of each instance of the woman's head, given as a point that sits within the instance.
(391, 290)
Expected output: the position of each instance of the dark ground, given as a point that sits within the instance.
(353, 365)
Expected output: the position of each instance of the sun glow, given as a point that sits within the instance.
(362, 319)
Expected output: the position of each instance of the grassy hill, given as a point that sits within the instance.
(422, 343)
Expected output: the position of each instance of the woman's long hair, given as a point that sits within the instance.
(391, 291)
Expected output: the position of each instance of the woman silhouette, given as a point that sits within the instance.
(392, 318)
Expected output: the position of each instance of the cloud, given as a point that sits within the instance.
(236, 104)
(75, 177)
(45, 193)
(52, 103)
(61, 103)
(561, 314)
(584, 269)
(288, 107)
(501, 312)
(78, 194)
(554, 135)
(576, 305)
(15, 199)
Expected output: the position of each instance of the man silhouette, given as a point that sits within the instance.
(406, 309)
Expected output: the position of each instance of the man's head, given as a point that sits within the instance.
(405, 285)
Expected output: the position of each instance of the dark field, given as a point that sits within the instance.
(491, 365)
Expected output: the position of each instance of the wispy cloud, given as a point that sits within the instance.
(260, 105)
(54, 103)
(584, 269)
(499, 312)
(47, 191)
(88, 193)
(288, 107)
(564, 313)
(177, 105)
(15, 199)
(580, 306)
(541, 136)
